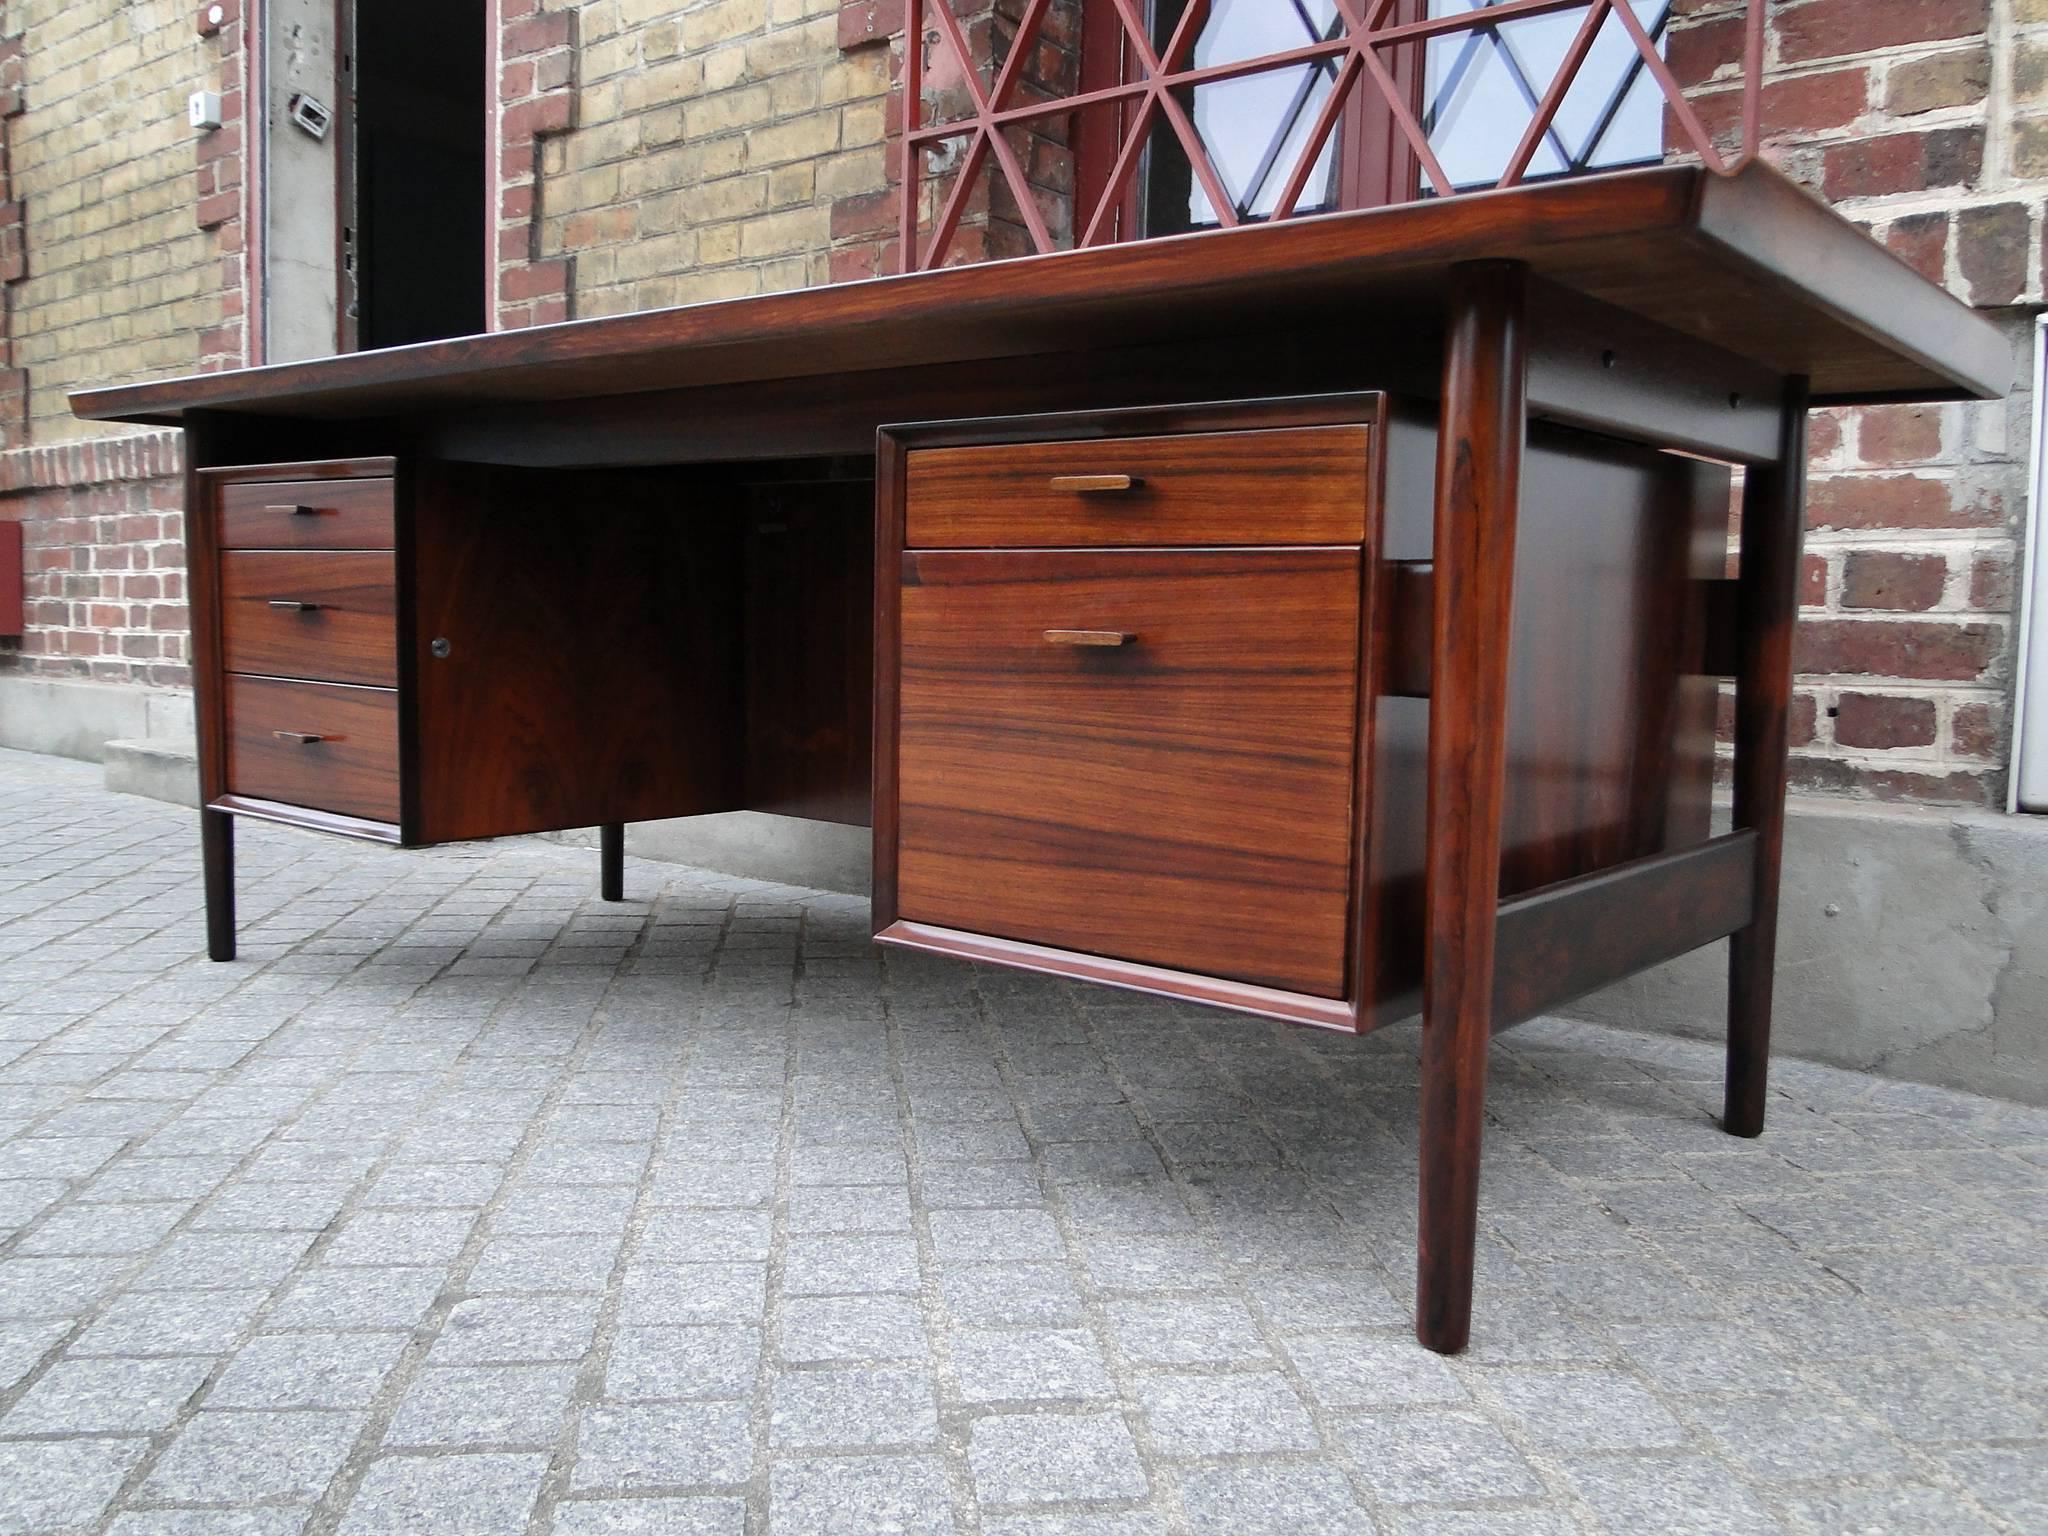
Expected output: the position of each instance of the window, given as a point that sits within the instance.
(1474, 93)
(1483, 87)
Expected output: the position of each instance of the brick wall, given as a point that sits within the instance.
(105, 559)
(712, 142)
(1927, 122)
(119, 277)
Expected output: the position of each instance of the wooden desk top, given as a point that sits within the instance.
(1748, 263)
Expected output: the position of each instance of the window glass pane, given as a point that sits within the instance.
(1482, 88)
(1256, 126)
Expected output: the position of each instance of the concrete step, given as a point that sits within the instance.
(159, 769)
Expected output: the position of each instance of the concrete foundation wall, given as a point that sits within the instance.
(79, 719)
(1912, 943)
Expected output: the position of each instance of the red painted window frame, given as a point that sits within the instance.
(1375, 166)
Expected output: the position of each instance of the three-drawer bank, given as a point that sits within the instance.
(420, 651)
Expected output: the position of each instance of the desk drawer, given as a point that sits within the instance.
(330, 615)
(1180, 799)
(307, 514)
(350, 766)
(1292, 485)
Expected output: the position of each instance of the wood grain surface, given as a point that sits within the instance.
(351, 770)
(592, 627)
(1303, 485)
(1183, 800)
(1749, 262)
(347, 634)
(307, 514)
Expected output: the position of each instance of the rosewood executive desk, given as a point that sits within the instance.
(1319, 620)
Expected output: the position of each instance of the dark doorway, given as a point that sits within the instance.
(413, 224)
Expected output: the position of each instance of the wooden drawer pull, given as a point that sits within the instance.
(1097, 485)
(298, 738)
(293, 510)
(1102, 637)
(293, 605)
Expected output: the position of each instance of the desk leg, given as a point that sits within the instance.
(1478, 497)
(1773, 521)
(217, 863)
(611, 859)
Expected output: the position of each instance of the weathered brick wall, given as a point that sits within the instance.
(120, 279)
(711, 143)
(1926, 121)
(105, 559)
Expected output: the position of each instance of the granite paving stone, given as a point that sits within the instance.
(1042, 1458)
(56, 1485)
(466, 1202)
(663, 1445)
(861, 1495)
(446, 1496)
(483, 1405)
(86, 1397)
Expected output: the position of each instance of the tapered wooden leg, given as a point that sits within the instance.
(217, 862)
(1478, 496)
(611, 856)
(1773, 524)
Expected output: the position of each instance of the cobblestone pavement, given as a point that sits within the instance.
(466, 1203)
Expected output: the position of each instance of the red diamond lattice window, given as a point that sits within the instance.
(1480, 93)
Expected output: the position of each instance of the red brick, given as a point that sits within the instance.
(1991, 583)
(1883, 721)
(1903, 162)
(1813, 581)
(1978, 730)
(863, 22)
(538, 33)
(1814, 103)
(1823, 435)
(216, 209)
(534, 280)
(1899, 434)
(1897, 501)
(1824, 29)
(1991, 248)
(854, 263)
(1696, 52)
(544, 114)
(1922, 649)
(871, 213)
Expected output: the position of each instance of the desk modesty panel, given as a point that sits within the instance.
(1321, 620)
